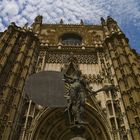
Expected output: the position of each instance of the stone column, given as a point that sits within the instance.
(12, 91)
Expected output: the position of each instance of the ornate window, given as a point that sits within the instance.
(71, 39)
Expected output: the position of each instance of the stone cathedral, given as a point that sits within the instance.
(103, 55)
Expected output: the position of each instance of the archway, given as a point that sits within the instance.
(52, 124)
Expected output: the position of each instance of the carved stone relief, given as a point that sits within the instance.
(94, 78)
(62, 58)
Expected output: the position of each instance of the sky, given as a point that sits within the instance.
(125, 12)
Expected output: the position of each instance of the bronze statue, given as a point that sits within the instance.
(79, 91)
(77, 95)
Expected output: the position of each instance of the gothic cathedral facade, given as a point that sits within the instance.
(104, 57)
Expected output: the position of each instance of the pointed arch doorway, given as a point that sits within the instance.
(52, 124)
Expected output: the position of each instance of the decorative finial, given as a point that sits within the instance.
(102, 20)
(81, 22)
(61, 21)
(110, 19)
(25, 25)
(38, 19)
(13, 24)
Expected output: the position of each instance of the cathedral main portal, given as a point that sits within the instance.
(52, 124)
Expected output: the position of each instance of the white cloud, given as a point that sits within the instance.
(70, 10)
(10, 8)
(2, 27)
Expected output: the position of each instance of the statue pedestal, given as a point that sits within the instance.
(78, 129)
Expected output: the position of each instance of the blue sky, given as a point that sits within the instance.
(126, 12)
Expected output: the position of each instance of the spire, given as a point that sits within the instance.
(13, 23)
(25, 25)
(38, 19)
(81, 22)
(61, 21)
(102, 21)
(110, 19)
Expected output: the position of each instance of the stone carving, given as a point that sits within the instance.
(61, 21)
(81, 22)
(94, 78)
(40, 60)
(38, 19)
(63, 58)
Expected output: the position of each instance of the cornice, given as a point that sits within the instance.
(98, 27)
(75, 49)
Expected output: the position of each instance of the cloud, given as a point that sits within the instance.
(70, 10)
(22, 11)
(10, 8)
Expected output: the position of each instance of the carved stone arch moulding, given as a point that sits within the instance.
(53, 124)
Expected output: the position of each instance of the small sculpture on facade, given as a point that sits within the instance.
(81, 22)
(102, 21)
(61, 21)
(13, 23)
(38, 19)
